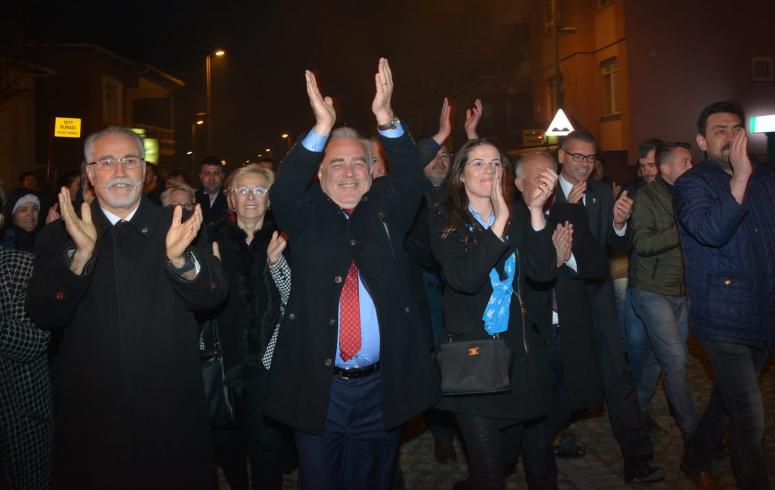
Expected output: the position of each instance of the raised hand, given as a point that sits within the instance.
(445, 123)
(562, 238)
(499, 207)
(275, 249)
(617, 189)
(577, 192)
(547, 180)
(473, 116)
(181, 234)
(622, 210)
(383, 82)
(738, 155)
(53, 213)
(322, 107)
(81, 230)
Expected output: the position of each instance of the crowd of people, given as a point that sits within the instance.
(332, 282)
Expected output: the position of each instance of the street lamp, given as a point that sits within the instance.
(194, 124)
(209, 83)
(287, 138)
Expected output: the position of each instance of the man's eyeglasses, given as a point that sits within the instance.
(577, 157)
(187, 207)
(109, 163)
(244, 190)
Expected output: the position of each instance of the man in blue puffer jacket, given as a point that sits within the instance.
(727, 230)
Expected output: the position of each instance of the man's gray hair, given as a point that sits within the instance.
(519, 166)
(89, 143)
(347, 132)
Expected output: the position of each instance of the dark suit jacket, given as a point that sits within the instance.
(466, 257)
(218, 211)
(323, 243)
(600, 213)
(577, 336)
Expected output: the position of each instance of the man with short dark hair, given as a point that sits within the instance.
(608, 224)
(726, 224)
(353, 362)
(657, 281)
(211, 197)
(124, 279)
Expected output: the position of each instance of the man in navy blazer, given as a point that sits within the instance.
(346, 383)
(727, 230)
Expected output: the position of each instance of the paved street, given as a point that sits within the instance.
(601, 468)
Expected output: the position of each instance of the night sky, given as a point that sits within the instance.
(258, 89)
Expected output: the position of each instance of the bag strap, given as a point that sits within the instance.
(216, 335)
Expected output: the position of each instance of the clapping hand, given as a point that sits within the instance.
(562, 237)
(81, 230)
(181, 234)
(322, 107)
(473, 116)
(622, 210)
(577, 192)
(275, 249)
(383, 82)
(445, 123)
(547, 179)
(738, 155)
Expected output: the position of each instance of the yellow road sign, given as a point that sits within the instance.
(67, 127)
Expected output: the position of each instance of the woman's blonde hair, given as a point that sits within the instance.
(251, 168)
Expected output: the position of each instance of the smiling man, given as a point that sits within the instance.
(124, 278)
(353, 362)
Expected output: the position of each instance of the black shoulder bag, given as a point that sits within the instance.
(221, 398)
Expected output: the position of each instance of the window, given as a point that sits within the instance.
(112, 101)
(611, 87)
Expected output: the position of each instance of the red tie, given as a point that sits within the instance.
(350, 313)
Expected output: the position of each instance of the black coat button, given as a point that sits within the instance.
(328, 362)
(338, 279)
(291, 316)
(332, 322)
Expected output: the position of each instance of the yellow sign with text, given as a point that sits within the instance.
(67, 127)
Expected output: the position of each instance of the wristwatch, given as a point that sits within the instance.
(392, 124)
(187, 265)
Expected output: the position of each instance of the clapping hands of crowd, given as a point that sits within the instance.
(622, 210)
(473, 116)
(577, 192)
(81, 230)
(445, 123)
(275, 248)
(383, 81)
(499, 207)
(180, 235)
(322, 107)
(562, 237)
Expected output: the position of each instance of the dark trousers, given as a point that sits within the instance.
(559, 412)
(491, 447)
(736, 401)
(355, 451)
(621, 396)
(259, 439)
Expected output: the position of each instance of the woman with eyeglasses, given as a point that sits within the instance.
(251, 250)
(492, 258)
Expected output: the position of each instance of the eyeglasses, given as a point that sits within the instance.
(478, 164)
(577, 157)
(187, 207)
(109, 163)
(244, 190)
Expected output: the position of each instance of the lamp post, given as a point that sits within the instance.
(287, 138)
(194, 124)
(209, 84)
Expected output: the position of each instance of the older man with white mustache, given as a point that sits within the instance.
(124, 278)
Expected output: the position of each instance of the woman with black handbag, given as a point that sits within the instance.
(496, 315)
(250, 249)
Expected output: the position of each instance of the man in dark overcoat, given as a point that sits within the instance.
(124, 278)
(346, 386)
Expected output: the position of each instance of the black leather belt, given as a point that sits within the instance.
(360, 372)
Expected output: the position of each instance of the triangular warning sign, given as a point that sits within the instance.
(560, 125)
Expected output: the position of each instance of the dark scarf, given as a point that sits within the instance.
(259, 295)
